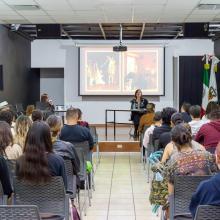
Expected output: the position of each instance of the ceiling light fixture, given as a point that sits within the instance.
(208, 6)
(26, 7)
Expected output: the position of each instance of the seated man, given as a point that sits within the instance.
(209, 134)
(208, 192)
(185, 112)
(196, 123)
(8, 117)
(74, 133)
(166, 123)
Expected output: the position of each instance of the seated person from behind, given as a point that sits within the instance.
(137, 103)
(156, 123)
(80, 122)
(29, 110)
(210, 107)
(74, 133)
(147, 118)
(209, 134)
(166, 123)
(8, 117)
(196, 123)
(165, 138)
(185, 112)
(208, 192)
(38, 162)
(9, 150)
(171, 148)
(187, 161)
(37, 115)
(62, 148)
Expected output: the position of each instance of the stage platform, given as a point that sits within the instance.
(122, 143)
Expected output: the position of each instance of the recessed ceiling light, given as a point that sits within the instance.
(208, 6)
(26, 7)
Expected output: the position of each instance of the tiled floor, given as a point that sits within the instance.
(121, 189)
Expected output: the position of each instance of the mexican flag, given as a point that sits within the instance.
(213, 93)
(205, 95)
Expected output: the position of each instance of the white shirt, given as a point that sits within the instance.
(196, 125)
(147, 134)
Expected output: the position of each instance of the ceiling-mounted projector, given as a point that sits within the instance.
(120, 47)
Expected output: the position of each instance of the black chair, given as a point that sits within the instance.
(84, 154)
(184, 187)
(94, 134)
(19, 109)
(141, 145)
(207, 212)
(3, 198)
(19, 212)
(72, 188)
(49, 197)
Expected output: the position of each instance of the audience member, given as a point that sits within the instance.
(147, 118)
(185, 112)
(38, 162)
(210, 107)
(208, 192)
(171, 148)
(209, 134)
(8, 117)
(45, 103)
(80, 122)
(187, 161)
(37, 115)
(165, 138)
(23, 123)
(196, 123)
(72, 132)
(10, 151)
(156, 123)
(29, 110)
(62, 148)
(166, 123)
(4, 174)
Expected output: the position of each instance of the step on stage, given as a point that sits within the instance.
(123, 141)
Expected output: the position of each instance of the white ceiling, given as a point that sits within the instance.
(108, 11)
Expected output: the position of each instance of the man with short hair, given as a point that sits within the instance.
(37, 115)
(74, 133)
(209, 134)
(166, 124)
(196, 123)
(208, 191)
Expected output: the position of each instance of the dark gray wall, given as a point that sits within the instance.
(217, 47)
(15, 56)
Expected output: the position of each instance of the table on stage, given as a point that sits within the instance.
(114, 119)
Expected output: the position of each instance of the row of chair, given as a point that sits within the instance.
(52, 197)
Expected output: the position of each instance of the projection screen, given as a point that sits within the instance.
(104, 72)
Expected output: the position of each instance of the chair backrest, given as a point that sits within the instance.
(19, 107)
(207, 212)
(94, 134)
(49, 197)
(11, 167)
(71, 178)
(84, 154)
(156, 145)
(184, 187)
(14, 212)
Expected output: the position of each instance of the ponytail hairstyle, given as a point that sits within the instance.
(181, 136)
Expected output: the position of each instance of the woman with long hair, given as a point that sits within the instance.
(8, 149)
(138, 103)
(38, 162)
(22, 125)
(5, 141)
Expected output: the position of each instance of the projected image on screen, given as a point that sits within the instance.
(141, 70)
(102, 68)
(104, 72)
